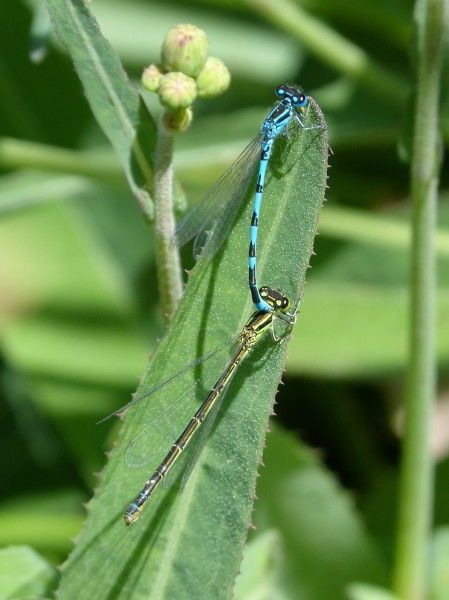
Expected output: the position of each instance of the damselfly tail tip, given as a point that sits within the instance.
(131, 515)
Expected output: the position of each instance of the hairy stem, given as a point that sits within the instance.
(415, 502)
(168, 263)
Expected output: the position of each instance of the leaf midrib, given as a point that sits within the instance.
(128, 126)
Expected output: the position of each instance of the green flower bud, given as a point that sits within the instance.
(185, 49)
(151, 77)
(214, 79)
(178, 120)
(176, 90)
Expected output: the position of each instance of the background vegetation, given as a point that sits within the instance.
(80, 308)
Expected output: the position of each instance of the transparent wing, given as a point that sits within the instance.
(202, 436)
(220, 204)
(138, 452)
(188, 368)
(154, 440)
(188, 461)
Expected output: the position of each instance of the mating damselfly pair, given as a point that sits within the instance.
(216, 215)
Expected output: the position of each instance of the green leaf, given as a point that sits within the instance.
(337, 349)
(115, 103)
(440, 565)
(362, 591)
(362, 286)
(40, 31)
(70, 349)
(326, 546)
(332, 48)
(50, 258)
(260, 570)
(98, 164)
(24, 189)
(47, 521)
(49, 532)
(377, 229)
(23, 573)
(190, 545)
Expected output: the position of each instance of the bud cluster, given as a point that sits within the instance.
(185, 72)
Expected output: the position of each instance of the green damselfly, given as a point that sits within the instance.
(260, 323)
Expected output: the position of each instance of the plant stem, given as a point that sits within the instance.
(332, 48)
(415, 502)
(168, 263)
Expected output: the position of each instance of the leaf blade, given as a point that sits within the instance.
(326, 546)
(23, 573)
(116, 104)
(165, 553)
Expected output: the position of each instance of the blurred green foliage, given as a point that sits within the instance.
(79, 307)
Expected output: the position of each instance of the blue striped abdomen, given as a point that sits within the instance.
(264, 158)
(273, 125)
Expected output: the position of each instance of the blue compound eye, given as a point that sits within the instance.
(300, 100)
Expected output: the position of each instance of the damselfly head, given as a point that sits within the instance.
(292, 95)
(274, 298)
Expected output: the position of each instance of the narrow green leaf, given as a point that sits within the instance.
(378, 229)
(325, 544)
(40, 31)
(48, 532)
(337, 349)
(115, 103)
(190, 545)
(332, 48)
(362, 591)
(98, 164)
(23, 573)
(440, 565)
(69, 349)
(24, 189)
(260, 570)
(50, 257)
